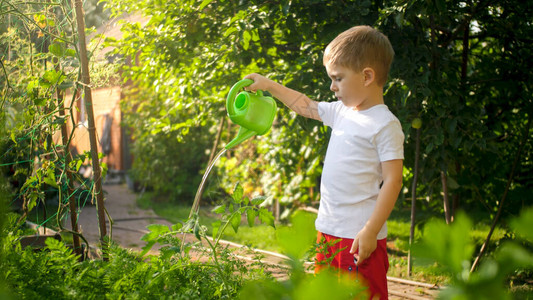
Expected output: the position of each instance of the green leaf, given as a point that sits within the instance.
(32, 201)
(523, 224)
(50, 178)
(229, 31)
(197, 231)
(70, 52)
(266, 217)
(246, 37)
(451, 125)
(147, 247)
(155, 231)
(32, 86)
(299, 237)
(204, 4)
(449, 245)
(57, 49)
(334, 285)
(219, 209)
(452, 184)
(177, 226)
(78, 165)
(512, 256)
(258, 200)
(237, 193)
(216, 226)
(30, 182)
(251, 214)
(39, 101)
(51, 77)
(50, 181)
(242, 210)
(255, 35)
(235, 221)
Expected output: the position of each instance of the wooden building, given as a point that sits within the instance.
(111, 137)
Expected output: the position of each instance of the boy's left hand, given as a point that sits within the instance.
(366, 242)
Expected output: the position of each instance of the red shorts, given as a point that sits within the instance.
(373, 270)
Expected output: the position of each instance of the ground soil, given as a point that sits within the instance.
(129, 225)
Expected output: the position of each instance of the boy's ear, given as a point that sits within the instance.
(370, 76)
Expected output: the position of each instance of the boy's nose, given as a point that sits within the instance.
(333, 87)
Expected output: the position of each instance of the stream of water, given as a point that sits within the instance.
(196, 203)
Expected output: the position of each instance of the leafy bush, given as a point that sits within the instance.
(452, 248)
(171, 167)
(55, 272)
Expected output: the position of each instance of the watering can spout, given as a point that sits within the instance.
(242, 136)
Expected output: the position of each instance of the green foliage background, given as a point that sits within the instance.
(462, 67)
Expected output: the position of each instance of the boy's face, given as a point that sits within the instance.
(348, 85)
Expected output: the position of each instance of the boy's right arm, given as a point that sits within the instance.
(298, 102)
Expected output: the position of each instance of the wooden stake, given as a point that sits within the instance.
(446, 201)
(413, 203)
(86, 82)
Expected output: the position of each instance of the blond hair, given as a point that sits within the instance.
(360, 47)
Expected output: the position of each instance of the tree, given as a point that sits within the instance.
(471, 89)
(190, 53)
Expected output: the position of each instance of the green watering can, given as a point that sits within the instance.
(253, 112)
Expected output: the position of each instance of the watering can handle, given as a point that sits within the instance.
(233, 93)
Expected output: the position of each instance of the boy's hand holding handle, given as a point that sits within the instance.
(260, 83)
(298, 102)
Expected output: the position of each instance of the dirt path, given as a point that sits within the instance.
(130, 221)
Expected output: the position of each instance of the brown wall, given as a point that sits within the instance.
(105, 101)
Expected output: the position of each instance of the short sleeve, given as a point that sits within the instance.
(328, 112)
(389, 142)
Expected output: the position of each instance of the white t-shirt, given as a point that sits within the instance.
(351, 177)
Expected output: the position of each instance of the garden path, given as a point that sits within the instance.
(130, 221)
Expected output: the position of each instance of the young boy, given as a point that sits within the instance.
(362, 174)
